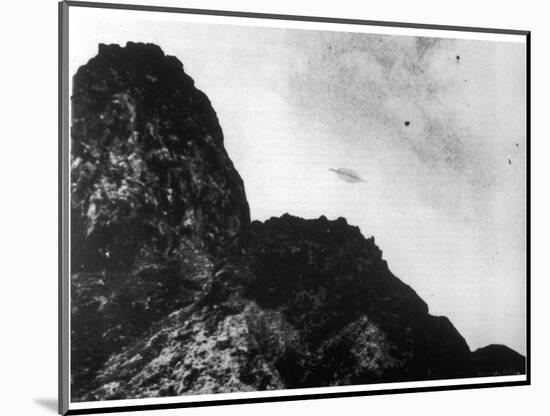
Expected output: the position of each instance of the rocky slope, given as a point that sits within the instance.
(174, 291)
(153, 196)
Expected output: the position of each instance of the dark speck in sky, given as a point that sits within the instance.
(458, 58)
(407, 123)
(509, 161)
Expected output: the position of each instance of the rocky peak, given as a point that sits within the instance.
(149, 170)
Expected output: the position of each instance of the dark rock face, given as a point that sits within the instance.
(149, 169)
(153, 196)
(175, 292)
(497, 360)
(331, 284)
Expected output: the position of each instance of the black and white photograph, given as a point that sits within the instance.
(265, 207)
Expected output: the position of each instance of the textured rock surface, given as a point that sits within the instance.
(149, 169)
(175, 292)
(153, 196)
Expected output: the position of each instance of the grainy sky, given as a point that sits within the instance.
(435, 127)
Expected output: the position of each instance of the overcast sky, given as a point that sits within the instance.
(435, 127)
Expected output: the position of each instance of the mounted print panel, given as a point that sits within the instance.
(263, 207)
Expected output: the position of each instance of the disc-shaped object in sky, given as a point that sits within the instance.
(347, 175)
